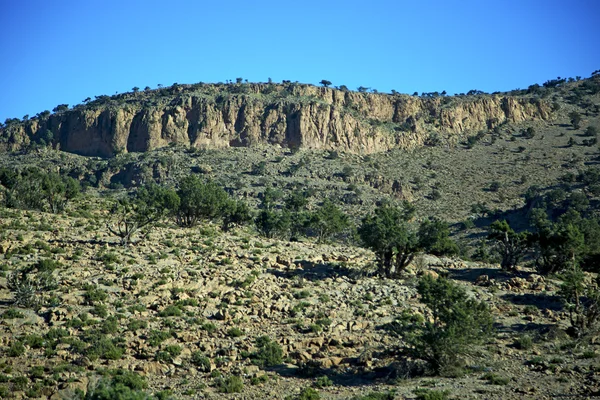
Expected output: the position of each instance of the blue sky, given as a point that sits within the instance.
(56, 52)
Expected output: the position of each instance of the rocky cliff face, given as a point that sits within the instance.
(289, 115)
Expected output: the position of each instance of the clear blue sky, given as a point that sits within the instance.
(56, 52)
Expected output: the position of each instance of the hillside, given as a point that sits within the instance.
(250, 301)
(290, 115)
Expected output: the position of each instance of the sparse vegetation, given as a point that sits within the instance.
(192, 294)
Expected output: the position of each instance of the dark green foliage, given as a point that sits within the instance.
(16, 349)
(29, 286)
(235, 332)
(559, 246)
(510, 245)
(123, 385)
(494, 186)
(270, 221)
(591, 131)
(495, 379)
(101, 346)
(269, 353)
(307, 393)
(523, 342)
(60, 108)
(575, 118)
(458, 323)
(157, 337)
(170, 311)
(94, 295)
(235, 212)
(259, 168)
(434, 238)
(323, 381)
(480, 209)
(201, 361)
(231, 384)
(529, 133)
(168, 353)
(325, 83)
(135, 324)
(34, 341)
(429, 394)
(327, 221)
(12, 313)
(38, 190)
(147, 206)
(581, 299)
(386, 232)
(206, 201)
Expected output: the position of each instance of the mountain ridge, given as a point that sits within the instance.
(289, 115)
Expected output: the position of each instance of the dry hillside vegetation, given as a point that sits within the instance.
(461, 265)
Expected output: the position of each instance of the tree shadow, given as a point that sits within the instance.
(539, 300)
(312, 271)
(471, 274)
(525, 327)
(352, 373)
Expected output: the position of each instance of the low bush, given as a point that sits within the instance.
(269, 353)
(231, 384)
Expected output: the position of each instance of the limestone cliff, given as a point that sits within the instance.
(290, 115)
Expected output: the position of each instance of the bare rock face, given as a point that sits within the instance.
(297, 116)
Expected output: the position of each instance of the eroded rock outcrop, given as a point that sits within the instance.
(289, 115)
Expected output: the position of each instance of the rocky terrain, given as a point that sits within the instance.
(290, 115)
(201, 292)
(184, 312)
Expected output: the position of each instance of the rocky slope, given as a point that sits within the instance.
(155, 307)
(290, 115)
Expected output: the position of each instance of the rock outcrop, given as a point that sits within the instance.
(290, 115)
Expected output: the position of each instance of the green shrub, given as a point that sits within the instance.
(56, 333)
(209, 327)
(105, 348)
(269, 353)
(16, 349)
(510, 245)
(231, 384)
(123, 385)
(323, 381)
(47, 265)
(157, 337)
(201, 361)
(494, 186)
(36, 372)
(427, 394)
(170, 311)
(94, 295)
(581, 300)
(12, 313)
(136, 324)
(386, 233)
(19, 382)
(235, 332)
(434, 238)
(28, 287)
(308, 394)
(458, 323)
(34, 341)
(495, 379)
(589, 354)
(523, 342)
